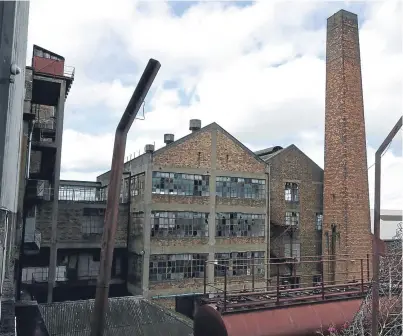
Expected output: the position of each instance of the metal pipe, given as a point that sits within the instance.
(362, 275)
(368, 267)
(278, 284)
(205, 278)
(225, 288)
(323, 280)
(112, 205)
(377, 224)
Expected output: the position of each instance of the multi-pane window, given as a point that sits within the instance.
(292, 248)
(179, 224)
(292, 218)
(137, 185)
(291, 191)
(235, 224)
(239, 187)
(137, 224)
(319, 221)
(239, 263)
(171, 267)
(92, 221)
(180, 184)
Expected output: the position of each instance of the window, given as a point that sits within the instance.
(79, 193)
(137, 185)
(291, 192)
(237, 187)
(180, 184)
(179, 224)
(174, 267)
(319, 222)
(92, 221)
(137, 226)
(235, 224)
(292, 218)
(239, 263)
(292, 248)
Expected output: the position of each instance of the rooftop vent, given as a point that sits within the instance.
(169, 138)
(149, 148)
(194, 125)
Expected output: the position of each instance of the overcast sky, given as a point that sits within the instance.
(255, 68)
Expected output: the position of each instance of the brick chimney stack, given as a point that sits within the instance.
(346, 222)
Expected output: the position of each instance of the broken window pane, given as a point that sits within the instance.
(179, 224)
(292, 218)
(180, 184)
(291, 192)
(239, 187)
(235, 224)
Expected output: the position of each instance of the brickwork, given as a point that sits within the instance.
(292, 165)
(176, 287)
(194, 152)
(253, 203)
(174, 242)
(239, 240)
(346, 196)
(176, 199)
(232, 157)
(69, 227)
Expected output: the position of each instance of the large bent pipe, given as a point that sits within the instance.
(377, 225)
(112, 205)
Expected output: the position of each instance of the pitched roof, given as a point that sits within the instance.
(271, 152)
(126, 316)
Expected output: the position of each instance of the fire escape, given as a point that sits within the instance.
(284, 240)
(42, 108)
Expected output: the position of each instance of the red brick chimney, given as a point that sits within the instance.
(346, 222)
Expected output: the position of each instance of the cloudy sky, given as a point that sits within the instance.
(255, 68)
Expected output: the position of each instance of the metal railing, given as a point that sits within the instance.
(256, 290)
(69, 71)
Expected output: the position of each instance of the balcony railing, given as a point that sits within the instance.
(69, 71)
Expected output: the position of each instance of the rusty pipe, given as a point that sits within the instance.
(112, 205)
(377, 225)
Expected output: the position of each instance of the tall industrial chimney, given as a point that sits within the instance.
(346, 222)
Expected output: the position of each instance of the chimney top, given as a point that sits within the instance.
(169, 138)
(194, 125)
(149, 148)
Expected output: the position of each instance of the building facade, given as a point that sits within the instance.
(13, 48)
(195, 201)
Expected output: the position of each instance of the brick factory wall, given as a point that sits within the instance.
(294, 165)
(180, 199)
(194, 152)
(232, 157)
(176, 287)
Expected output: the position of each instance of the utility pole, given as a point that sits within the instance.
(377, 224)
(112, 205)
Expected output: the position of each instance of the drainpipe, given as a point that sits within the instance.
(115, 179)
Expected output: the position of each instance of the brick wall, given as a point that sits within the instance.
(232, 157)
(292, 165)
(69, 228)
(194, 152)
(346, 197)
(180, 199)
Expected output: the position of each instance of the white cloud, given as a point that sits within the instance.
(257, 71)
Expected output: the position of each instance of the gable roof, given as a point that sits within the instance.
(210, 127)
(266, 155)
(125, 316)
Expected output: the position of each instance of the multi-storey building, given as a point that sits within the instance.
(13, 46)
(296, 189)
(197, 200)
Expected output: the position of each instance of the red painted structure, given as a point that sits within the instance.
(289, 321)
(47, 62)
